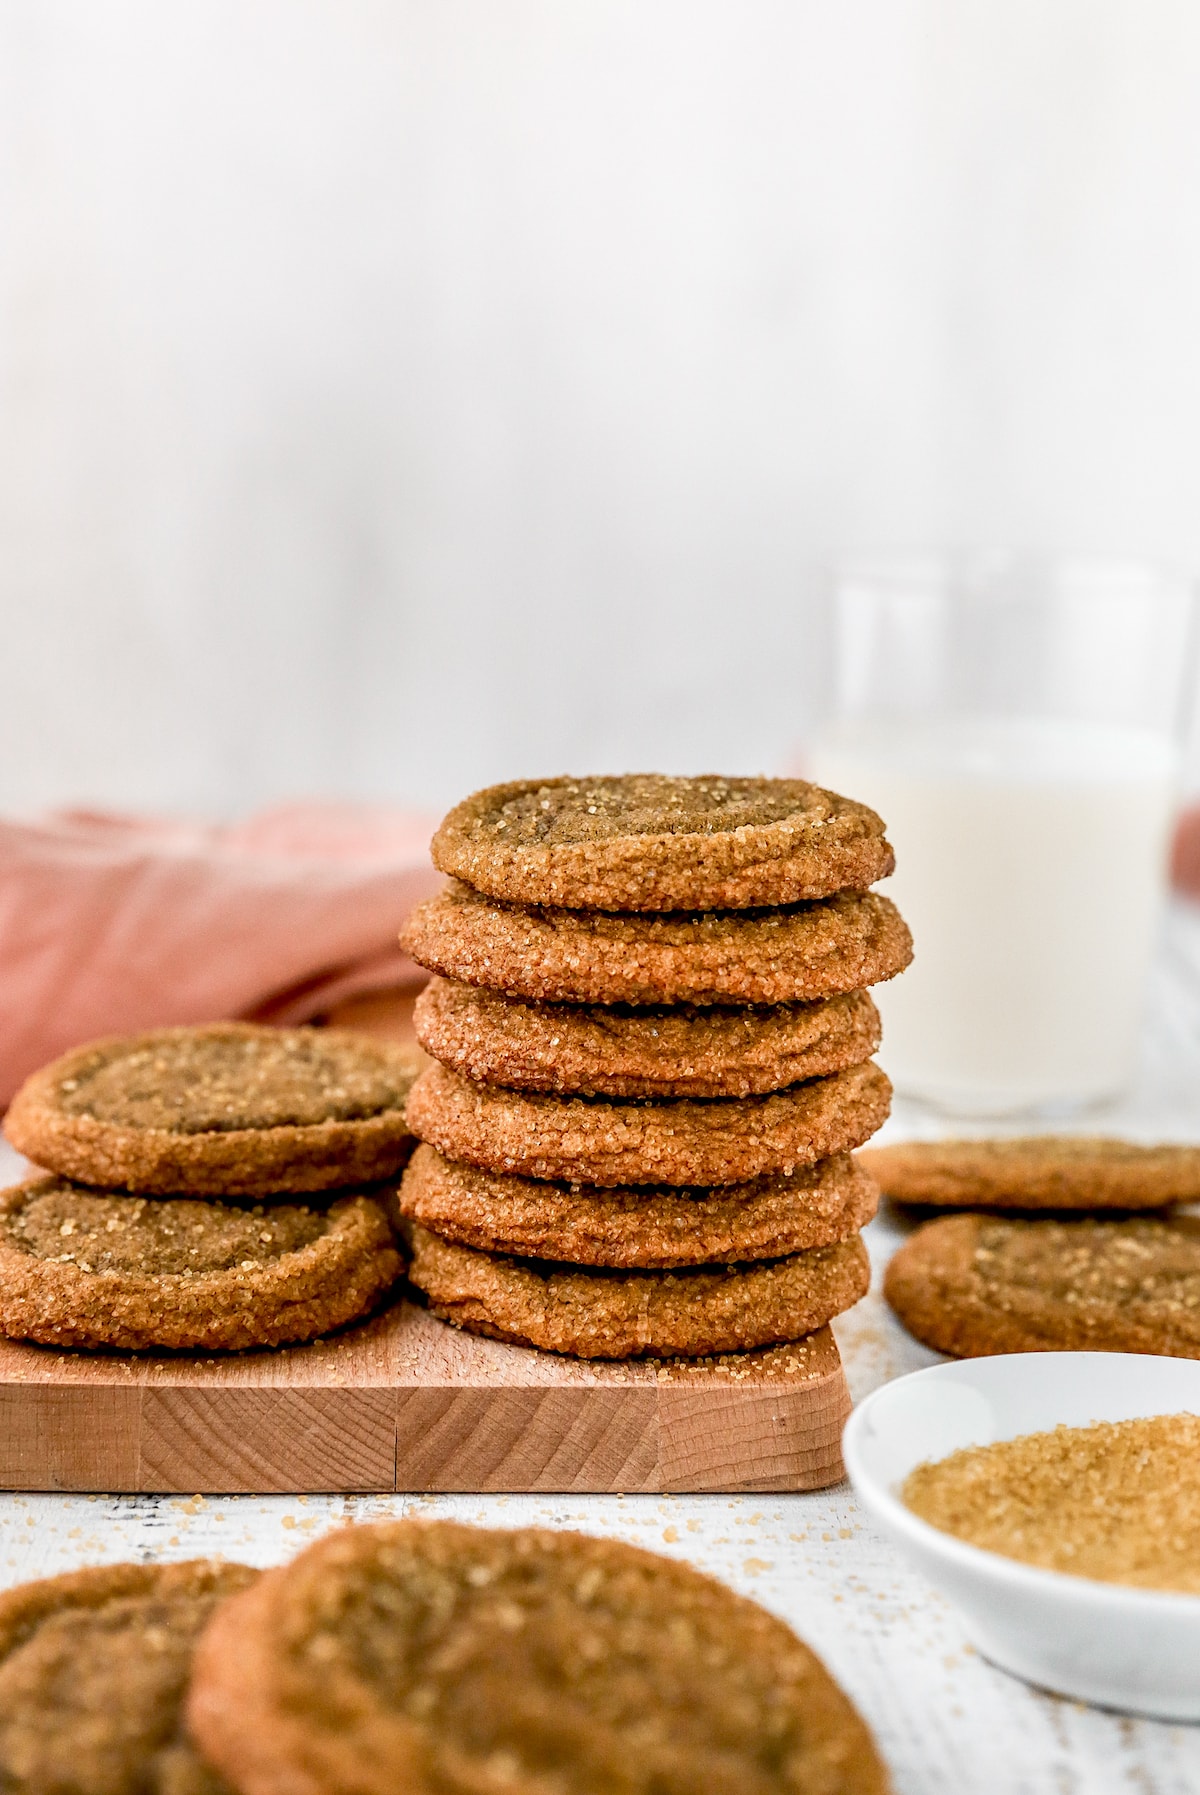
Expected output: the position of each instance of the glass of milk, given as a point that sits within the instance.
(1018, 726)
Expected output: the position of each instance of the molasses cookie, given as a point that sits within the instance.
(1039, 1172)
(646, 841)
(429, 1657)
(632, 1314)
(789, 955)
(680, 1140)
(81, 1267)
(225, 1109)
(972, 1284)
(648, 1226)
(94, 1668)
(617, 1051)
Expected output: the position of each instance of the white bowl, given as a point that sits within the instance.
(1133, 1649)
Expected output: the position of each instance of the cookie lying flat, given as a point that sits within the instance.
(582, 1224)
(225, 1109)
(94, 1668)
(1039, 1172)
(645, 841)
(632, 1314)
(81, 1267)
(425, 1657)
(596, 1140)
(684, 1051)
(972, 1284)
(711, 957)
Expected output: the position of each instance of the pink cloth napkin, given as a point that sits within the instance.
(1185, 852)
(110, 923)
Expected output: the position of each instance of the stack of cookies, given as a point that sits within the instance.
(653, 1039)
(205, 1189)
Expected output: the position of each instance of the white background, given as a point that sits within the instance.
(402, 394)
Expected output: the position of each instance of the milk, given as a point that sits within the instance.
(1030, 862)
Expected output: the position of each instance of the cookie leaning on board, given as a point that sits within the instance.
(650, 993)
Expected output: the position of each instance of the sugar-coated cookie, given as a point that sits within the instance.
(83, 1267)
(677, 1140)
(787, 955)
(666, 1051)
(222, 1109)
(595, 1314)
(425, 1657)
(648, 841)
(94, 1668)
(1037, 1172)
(972, 1284)
(646, 1225)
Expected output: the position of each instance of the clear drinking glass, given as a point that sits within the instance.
(1018, 725)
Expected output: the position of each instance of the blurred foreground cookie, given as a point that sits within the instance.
(572, 956)
(646, 841)
(1038, 1172)
(81, 1267)
(668, 1141)
(645, 1226)
(684, 1051)
(972, 1284)
(630, 1314)
(420, 1658)
(225, 1109)
(94, 1668)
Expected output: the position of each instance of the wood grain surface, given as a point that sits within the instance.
(407, 1403)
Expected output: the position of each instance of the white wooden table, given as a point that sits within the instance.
(947, 1723)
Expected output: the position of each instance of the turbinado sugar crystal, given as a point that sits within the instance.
(1118, 1501)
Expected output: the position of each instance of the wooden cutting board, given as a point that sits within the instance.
(406, 1403)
